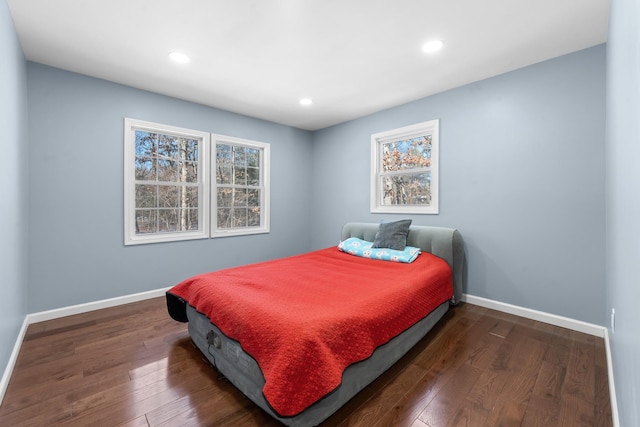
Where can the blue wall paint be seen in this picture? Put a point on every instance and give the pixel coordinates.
(13, 186)
(521, 176)
(623, 203)
(76, 250)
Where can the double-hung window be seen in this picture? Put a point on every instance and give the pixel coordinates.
(166, 175)
(171, 193)
(404, 169)
(241, 186)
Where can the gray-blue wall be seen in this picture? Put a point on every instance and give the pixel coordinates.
(521, 176)
(623, 203)
(13, 186)
(76, 250)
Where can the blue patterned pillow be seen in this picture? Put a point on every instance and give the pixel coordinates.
(364, 249)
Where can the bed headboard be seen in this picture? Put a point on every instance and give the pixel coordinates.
(442, 242)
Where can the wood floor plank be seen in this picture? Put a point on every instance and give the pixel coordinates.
(133, 366)
(578, 392)
(486, 390)
(446, 403)
(371, 412)
(468, 414)
(507, 414)
(448, 351)
(138, 422)
(546, 399)
(602, 403)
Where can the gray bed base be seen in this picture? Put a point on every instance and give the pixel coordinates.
(243, 372)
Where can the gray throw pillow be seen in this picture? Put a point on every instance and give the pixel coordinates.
(392, 235)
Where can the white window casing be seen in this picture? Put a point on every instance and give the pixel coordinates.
(166, 183)
(240, 202)
(404, 170)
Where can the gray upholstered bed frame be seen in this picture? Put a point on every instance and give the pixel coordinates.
(445, 243)
(243, 371)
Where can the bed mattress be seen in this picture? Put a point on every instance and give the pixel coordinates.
(244, 373)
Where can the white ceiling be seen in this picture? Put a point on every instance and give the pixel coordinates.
(259, 57)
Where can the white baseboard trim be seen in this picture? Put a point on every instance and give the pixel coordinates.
(612, 385)
(91, 306)
(4, 382)
(564, 322)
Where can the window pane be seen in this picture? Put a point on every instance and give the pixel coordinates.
(407, 189)
(239, 175)
(239, 217)
(224, 197)
(189, 172)
(223, 163)
(253, 157)
(223, 154)
(146, 196)
(189, 197)
(168, 196)
(253, 176)
(145, 154)
(253, 219)
(192, 220)
(186, 220)
(240, 197)
(189, 149)
(406, 154)
(146, 221)
(145, 169)
(253, 198)
(239, 157)
(145, 144)
(168, 220)
(223, 174)
(168, 146)
(224, 217)
(167, 170)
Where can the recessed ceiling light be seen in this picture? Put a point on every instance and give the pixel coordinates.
(306, 101)
(179, 57)
(432, 46)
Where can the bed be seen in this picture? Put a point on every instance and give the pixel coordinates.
(305, 363)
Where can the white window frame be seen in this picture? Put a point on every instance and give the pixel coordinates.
(377, 140)
(265, 160)
(130, 235)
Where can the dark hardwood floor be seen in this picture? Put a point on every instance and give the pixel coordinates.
(132, 365)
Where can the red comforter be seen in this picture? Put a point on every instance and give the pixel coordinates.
(305, 318)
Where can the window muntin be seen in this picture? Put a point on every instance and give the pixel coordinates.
(404, 169)
(166, 190)
(241, 187)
